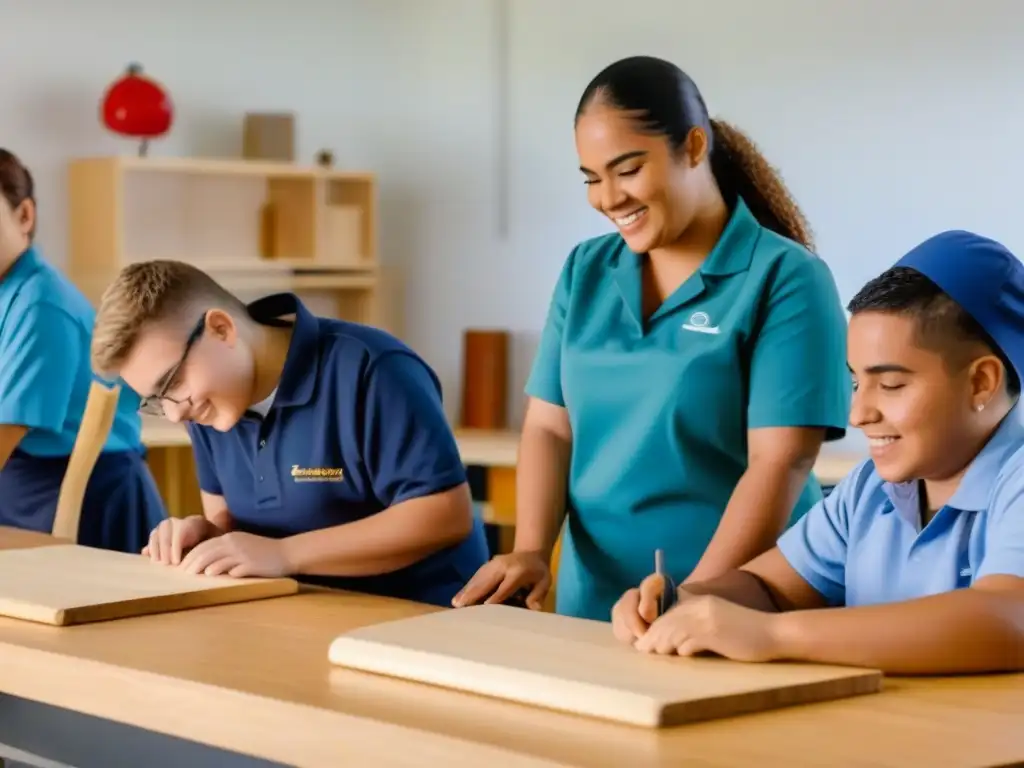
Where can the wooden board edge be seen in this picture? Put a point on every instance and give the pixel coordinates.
(857, 683)
(37, 614)
(183, 601)
(513, 686)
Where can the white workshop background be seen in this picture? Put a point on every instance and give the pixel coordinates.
(890, 119)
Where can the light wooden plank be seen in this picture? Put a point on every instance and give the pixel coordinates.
(577, 666)
(71, 584)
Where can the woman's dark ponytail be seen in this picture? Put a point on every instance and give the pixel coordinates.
(741, 170)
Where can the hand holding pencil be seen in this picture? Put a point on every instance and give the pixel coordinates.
(641, 606)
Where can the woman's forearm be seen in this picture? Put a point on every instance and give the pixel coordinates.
(10, 437)
(542, 473)
(756, 515)
(736, 586)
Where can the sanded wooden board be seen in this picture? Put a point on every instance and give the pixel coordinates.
(577, 666)
(71, 584)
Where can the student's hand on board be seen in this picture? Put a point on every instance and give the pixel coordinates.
(504, 576)
(238, 554)
(173, 537)
(706, 623)
(637, 609)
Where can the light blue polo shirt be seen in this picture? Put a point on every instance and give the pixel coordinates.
(864, 543)
(660, 409)
(45, 372)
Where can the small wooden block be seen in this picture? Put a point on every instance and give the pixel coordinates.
(340, 234)
(577, 666)
(71, 584)
(269, 136)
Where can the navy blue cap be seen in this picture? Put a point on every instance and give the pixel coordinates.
(984, 278)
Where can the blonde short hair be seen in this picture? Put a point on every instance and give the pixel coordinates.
(143, 294)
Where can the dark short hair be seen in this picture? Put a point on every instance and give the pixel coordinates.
(940, 320)
(16, 183)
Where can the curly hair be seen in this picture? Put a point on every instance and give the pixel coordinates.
(740, 169)
(671, 104)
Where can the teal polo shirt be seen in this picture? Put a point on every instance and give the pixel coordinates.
(45, 377)
(660, 409)
(865, 545)
(45, 374)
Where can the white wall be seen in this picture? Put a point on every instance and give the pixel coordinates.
(889, 119)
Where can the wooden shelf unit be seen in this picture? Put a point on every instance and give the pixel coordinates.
(257, 227)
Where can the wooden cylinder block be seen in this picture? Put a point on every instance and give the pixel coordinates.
(485, 379)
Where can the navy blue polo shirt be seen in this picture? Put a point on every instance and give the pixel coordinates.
(355, 426)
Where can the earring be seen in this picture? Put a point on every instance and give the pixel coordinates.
(979, 407)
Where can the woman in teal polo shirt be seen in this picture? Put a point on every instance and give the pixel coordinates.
(692, 363)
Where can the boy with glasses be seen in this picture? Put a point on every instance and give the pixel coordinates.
(321, 446)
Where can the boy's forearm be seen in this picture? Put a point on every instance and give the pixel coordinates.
(965, 631)
(392, 539)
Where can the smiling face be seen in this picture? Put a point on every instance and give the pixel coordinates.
(203, 374)
(918, 406)
(649, 191)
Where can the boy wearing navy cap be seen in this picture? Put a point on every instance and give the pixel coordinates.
(914, 564)
(321, 446)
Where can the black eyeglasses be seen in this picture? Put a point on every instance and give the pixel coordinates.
(153, 404)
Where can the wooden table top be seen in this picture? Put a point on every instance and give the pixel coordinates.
(498, 448)
(254, 678)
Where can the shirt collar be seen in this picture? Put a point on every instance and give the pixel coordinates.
(23, 265)
(302, 363)
(732, 254)
(976, 485)
(735, 247)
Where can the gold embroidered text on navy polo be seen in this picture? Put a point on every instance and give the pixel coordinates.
(317, 474)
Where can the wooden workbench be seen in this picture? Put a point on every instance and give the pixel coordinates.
(253, 679)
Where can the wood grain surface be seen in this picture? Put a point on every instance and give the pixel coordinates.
(255, 678)
(576, 666)
(72, 584)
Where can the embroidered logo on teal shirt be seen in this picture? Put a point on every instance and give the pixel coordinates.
(700, 322)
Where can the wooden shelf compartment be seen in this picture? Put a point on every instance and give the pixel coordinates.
(257, 226)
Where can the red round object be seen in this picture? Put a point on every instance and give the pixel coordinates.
(137, 106)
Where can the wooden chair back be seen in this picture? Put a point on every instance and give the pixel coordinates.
(92, 434)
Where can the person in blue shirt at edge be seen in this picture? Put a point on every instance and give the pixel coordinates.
(45, 323)
(914, 564)
(692, 362)
(321, 446)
